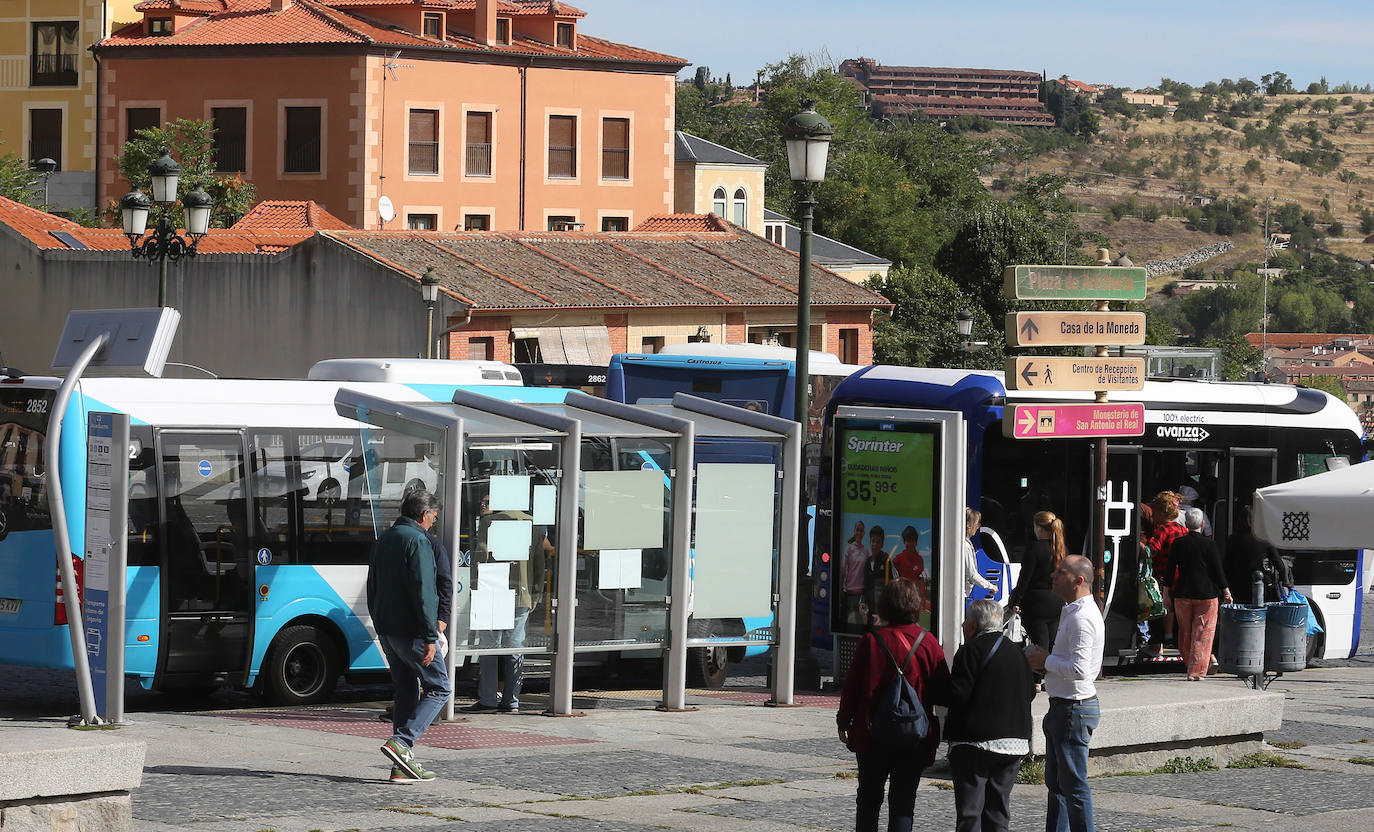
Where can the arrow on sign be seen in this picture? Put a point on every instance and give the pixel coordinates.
(1027, 375)
(1029, 330)
(1027, 421)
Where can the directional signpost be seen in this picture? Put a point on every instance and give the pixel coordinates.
(1038, 373)
(1075, 329)
(1100, 373)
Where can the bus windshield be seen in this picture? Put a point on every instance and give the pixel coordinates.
(23, 426)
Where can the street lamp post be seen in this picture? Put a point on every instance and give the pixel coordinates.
(808, 143)
(164, 243)
(429, 290)
(45, 167)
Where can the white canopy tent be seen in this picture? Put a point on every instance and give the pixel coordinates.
(1333, 510)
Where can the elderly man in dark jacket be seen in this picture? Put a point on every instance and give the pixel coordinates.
(404, 603)
(989, 724)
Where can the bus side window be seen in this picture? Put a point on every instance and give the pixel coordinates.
(276, 481)
(336, 512)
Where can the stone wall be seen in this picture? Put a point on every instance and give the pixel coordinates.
(1177, 264)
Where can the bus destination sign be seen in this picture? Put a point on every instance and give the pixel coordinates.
(1075, 329)
(1034, 372)
(1075, 282)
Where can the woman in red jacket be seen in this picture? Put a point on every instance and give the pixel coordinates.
(898, 607)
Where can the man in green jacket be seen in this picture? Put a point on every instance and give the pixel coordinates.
(404, 605)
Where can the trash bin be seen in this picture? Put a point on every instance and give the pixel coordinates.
(1240, 640)
(1285, 637)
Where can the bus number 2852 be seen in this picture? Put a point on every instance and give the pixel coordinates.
(39, 406)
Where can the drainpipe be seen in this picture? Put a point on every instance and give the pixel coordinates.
(524, 89)
(99, 70)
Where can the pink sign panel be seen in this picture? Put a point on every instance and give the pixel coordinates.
(1073, 421)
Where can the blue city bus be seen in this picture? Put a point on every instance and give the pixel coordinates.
(250, 520)
(1225, 439)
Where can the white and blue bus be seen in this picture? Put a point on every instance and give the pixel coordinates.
(250, 519)
(1224, 439)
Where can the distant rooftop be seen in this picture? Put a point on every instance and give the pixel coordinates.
(689, 148)
(824, 250)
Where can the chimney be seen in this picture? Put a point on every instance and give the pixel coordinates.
(281, 5)
(485, 30)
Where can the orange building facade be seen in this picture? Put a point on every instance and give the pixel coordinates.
(463, 114)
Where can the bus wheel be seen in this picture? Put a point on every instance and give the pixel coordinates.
(302, 666)
(707, 667)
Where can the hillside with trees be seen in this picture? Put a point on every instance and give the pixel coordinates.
(951, 203)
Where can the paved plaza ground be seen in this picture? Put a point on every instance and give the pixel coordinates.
(733, 764)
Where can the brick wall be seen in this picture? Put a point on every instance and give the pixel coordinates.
(495, 327)
(849, 319)
(735, 330)
(617, 327)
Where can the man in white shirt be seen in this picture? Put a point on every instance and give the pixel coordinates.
(1070, 672)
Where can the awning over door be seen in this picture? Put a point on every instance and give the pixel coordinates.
(570, 344)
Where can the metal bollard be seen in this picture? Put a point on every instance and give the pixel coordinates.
(1257, 588)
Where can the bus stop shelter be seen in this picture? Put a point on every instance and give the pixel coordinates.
(581, 501)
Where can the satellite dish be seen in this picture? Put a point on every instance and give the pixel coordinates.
(386, 209)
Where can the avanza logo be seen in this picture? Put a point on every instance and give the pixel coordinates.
(1183, 433)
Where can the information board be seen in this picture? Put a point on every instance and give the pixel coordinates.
(98, 546)
(886, 496)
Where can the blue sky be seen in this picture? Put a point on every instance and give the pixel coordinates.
(1129, 44)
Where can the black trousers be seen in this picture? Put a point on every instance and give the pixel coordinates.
(875, 769)
(982, 788)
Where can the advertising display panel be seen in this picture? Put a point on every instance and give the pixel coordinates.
(887, 494)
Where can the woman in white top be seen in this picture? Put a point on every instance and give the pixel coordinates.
(972, 576)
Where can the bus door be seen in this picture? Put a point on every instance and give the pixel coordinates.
(1124, 496)
(206, 563)
(1249, 468)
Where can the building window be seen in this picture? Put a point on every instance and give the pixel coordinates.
(651, 344)
(230, 144)
(482, 349)
(564, 223)
(140, 118)
(422, 222)
(503, 30)
(302, 140)
(849, 346)
(54, 55)
(615, 223)
(424, 142)
(160, 26)
(741, 208)
(527, 351)
(564, 35)
(45, 135)
(477, 222)
(615, 148)
(563, 147)
(477, 154)
(433, 25)
(718, 202)
(774, 233)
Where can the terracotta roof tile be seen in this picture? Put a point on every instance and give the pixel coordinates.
(281, 214)
(184, 6)
(34, 224)
(724, 266)
(318, 22)
(682, 222)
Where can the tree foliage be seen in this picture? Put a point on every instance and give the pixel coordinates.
(190, 141)
(921, 331)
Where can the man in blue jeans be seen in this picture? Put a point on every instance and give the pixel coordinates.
(404, 605)
(1070, 672)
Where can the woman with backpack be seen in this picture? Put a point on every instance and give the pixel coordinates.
(890, 727)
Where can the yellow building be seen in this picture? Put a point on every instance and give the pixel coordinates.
(48, 87)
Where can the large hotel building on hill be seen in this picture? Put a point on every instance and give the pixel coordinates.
(1007, 96)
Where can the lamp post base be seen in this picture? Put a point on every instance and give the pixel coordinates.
(806, 668)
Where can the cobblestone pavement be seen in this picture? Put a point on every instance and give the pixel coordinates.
(624, 767)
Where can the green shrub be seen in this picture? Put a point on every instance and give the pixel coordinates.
(1032, 772)
(1186, 765)
(1265, 759)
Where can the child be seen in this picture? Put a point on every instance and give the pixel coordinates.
(852, 571)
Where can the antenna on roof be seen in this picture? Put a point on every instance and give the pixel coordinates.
(389, 67)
